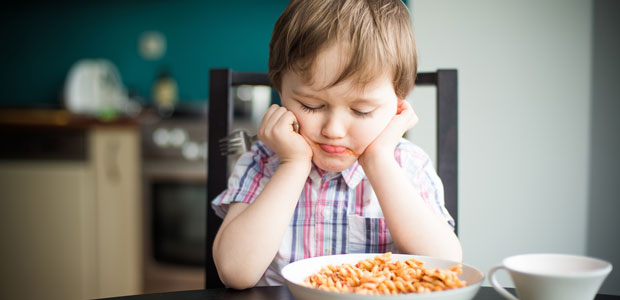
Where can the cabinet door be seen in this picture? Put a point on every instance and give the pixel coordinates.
(115, 155)
(46, 230)
(71, 229)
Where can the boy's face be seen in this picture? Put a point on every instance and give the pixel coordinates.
(341, 121)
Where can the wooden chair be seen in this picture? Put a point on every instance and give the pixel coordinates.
(220, 122)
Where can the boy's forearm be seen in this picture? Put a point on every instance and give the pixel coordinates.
(414, 227)
(246, 246)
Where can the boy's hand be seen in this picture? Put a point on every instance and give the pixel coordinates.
(384, 144)
(277, 131)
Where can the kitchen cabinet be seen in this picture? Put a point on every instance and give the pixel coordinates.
(70, 224)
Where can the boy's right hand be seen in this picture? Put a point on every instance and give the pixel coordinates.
(277, 131)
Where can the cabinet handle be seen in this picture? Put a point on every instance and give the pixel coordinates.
(112, 166)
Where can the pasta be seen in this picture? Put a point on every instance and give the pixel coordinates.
(379, 275)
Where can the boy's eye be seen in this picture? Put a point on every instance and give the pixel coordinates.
(310, 108)
(362, 114)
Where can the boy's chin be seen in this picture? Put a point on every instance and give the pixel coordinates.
(333, 165)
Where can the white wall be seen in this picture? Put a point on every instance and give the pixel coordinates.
(524, 120)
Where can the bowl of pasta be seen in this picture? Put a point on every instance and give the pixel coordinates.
(381, 276)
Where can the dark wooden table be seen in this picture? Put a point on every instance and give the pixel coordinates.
(279, 293)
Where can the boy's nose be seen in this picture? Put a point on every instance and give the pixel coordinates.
(334, 128)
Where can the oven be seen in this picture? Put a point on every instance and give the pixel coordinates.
(175, 199)
(175, 189)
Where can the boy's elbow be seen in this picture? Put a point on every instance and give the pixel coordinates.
(237, 281)
(233, 274)
(452, 252)
(453, 255)
(451, 249)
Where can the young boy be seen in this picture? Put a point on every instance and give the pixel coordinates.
(347, 181)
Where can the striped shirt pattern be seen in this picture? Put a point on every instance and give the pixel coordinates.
(337, 212)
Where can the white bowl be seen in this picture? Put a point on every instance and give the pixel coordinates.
(296, 272)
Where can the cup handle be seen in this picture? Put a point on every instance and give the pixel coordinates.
(502, 291)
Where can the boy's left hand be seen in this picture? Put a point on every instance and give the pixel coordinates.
(384, 144)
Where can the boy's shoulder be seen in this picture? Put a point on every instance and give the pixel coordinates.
(407, 149)
(407, 145)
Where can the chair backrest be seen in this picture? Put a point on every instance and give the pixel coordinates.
(220, 116)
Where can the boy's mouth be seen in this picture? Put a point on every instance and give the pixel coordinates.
(331, 149)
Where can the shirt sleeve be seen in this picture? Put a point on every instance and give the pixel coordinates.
(419, 168)
(248, 178)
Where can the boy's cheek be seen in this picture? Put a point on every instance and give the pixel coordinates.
(366, 134)
(286, 104)
(369, 132)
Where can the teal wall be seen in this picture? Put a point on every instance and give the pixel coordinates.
(40, 42)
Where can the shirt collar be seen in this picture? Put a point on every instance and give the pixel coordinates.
(352, 175)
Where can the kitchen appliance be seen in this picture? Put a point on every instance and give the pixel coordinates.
(175, 189)
(175, 199)
(94, 87)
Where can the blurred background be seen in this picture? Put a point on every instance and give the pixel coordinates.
(103, 128)
(538, 125)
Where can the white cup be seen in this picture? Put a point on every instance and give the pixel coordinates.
(552, 276)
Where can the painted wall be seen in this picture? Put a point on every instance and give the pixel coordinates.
(537, 165)
(41, 41)
(603, 221)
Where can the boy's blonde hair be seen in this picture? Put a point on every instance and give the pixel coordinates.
(377, 35)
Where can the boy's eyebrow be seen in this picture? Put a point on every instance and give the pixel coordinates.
(366, 100)
(362, 100)
(305, 95)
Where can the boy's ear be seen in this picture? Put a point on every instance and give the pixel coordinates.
(399, 105)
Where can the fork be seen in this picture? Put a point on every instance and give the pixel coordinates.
(240, 141)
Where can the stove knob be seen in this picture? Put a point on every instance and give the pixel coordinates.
(191, 151)
(178, 137)
(161, 137)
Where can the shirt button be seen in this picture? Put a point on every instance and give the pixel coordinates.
(326, 213)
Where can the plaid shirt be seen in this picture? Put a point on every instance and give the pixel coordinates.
(336, 212)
